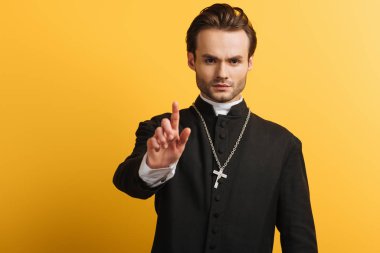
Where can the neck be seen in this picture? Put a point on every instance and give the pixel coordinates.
(222, 108)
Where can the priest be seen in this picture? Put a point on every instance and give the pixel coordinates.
(223, 177)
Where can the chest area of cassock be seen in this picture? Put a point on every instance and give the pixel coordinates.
(244, 201)
(252, 173)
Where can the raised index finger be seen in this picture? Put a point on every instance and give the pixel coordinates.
(174, 119)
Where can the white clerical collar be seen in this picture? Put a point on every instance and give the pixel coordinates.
(222, 108)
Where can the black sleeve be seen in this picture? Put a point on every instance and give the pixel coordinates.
(126, 177)
(294, 218)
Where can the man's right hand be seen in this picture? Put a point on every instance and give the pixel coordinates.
(167, 145)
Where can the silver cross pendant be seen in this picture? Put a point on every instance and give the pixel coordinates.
(220, 175)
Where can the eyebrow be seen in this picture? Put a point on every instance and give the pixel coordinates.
(211, 56)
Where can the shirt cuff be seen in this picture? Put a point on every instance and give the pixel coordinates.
(156, 177)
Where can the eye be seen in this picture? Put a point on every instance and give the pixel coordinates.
(209, 60)
(235, 61)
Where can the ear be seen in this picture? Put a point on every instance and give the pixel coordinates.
(250, 63)
(191, 60)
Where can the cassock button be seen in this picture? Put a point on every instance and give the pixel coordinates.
(220, 150)
(212, 246)
(217, 197)
(216, 215)
(223, 123)
(222, 135)
(214, 230)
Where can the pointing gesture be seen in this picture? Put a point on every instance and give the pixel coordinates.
(167, 144)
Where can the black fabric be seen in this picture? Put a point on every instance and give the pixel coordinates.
(266, 186)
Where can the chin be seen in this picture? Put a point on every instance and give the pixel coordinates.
(222, 98)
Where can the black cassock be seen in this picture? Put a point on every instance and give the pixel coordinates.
(266, 186)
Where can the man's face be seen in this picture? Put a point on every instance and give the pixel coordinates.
(221, 64)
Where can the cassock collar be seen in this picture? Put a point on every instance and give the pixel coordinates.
(238, 110)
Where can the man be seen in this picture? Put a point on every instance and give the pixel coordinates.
(222, 176)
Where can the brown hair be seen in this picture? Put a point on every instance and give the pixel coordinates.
(223, 17)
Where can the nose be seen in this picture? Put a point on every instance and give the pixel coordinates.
(222, 71)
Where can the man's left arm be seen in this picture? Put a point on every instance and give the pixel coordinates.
(294, 216)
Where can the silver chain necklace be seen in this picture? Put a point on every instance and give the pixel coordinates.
(220, 173)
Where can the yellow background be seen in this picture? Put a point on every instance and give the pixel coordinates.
(78, 76)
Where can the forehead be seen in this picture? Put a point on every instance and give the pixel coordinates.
(222, 43)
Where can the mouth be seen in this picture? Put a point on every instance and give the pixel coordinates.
(221, 85)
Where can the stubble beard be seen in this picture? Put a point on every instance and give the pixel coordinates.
(205, 89)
